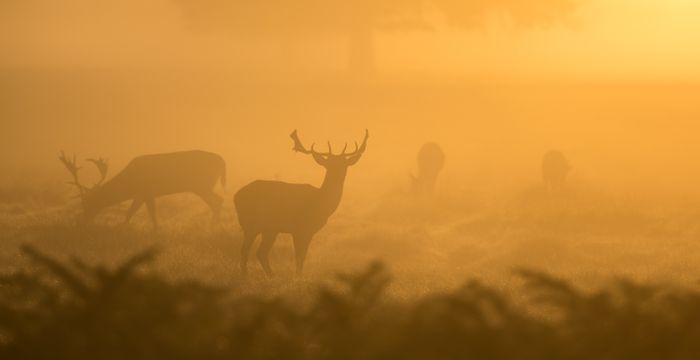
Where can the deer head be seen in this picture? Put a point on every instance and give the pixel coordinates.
(85, 193)
(328, 160)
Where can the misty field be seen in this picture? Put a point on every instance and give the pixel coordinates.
(511, 179)
(492, 266)
(578, 275)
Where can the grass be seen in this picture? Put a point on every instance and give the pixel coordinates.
(581, 236)
(581, 275)
(71, 309)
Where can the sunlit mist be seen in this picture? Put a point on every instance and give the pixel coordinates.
(318, 179)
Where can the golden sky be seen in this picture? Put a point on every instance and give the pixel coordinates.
(605, 38)
(608, 38)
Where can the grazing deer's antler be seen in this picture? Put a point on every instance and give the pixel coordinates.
(102, 166)
(71, 166)
(73, 169)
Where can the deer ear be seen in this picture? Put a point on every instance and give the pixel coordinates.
(320, 159)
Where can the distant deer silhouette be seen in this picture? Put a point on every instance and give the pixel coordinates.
(431, 160)
(272, 207)
(555, 168)
(149, 176)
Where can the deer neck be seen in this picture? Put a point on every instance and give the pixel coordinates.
(332, 190)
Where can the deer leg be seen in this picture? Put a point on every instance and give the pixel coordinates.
(268, 239)
(248, 239)
(214, 201)
(301, 246)
(151, 206)
(135, 206)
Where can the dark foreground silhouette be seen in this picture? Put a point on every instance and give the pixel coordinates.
(148, 177)
(273, 207)
(53, 310)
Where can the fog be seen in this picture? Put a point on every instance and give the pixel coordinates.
(522, 157)
(609, 83)
(586, 38)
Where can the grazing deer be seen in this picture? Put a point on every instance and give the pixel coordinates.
(273, 207)
(431, 160)
(555, 168)
(149, 176)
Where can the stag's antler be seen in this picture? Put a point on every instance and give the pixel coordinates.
(358, 149)
(299, 147)
(102, 166)
(71, 166)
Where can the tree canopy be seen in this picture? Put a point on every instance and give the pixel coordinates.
(360, 19)
(245, 16)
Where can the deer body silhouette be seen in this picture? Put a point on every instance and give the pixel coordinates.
(272, 207)
(431, 160)
(149, 176)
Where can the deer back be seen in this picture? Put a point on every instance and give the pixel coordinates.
(280, 207)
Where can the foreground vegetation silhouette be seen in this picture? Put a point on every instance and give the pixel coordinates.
(73, 310)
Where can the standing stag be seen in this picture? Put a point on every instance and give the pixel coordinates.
(149, 176)
(273, 207)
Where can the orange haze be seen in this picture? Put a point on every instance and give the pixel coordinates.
(613, 84)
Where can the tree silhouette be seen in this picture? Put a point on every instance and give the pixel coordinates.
(359, 20)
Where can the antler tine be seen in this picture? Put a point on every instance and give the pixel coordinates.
(360, 149)
(102, 166)
(71, 166)
(364, 142)
(344, 148)
(299, 147)
(330, 150)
